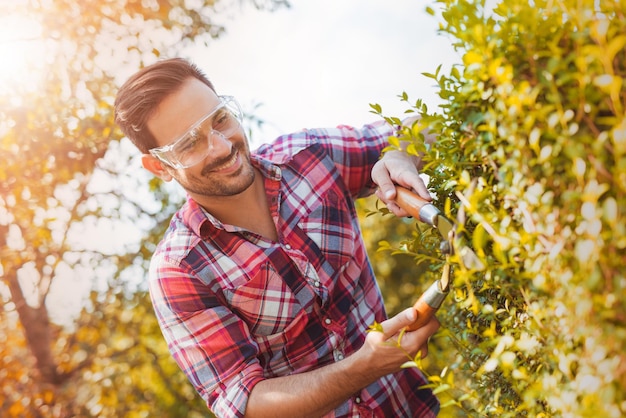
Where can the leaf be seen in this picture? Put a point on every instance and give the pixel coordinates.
(376, 108)
(472, 57)
(375, 327)
(615, 46)
(441, 388)
(409, 364)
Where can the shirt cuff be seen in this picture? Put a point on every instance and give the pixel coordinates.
(231, 400)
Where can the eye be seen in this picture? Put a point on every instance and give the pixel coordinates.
(221, 120)
(191, 141)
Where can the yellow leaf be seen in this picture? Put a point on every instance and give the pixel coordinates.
(472, 57)
(491, 332)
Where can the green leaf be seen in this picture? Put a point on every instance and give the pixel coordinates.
(376, 108)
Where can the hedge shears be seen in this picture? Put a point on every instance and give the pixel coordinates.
(433, 297)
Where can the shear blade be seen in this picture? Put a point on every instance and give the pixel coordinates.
(444, 226)
(468, 257)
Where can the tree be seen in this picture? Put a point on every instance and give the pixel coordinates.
(531, 162)
(62, 182)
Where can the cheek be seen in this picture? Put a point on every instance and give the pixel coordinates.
(243, 146)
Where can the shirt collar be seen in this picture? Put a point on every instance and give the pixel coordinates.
(269, 168)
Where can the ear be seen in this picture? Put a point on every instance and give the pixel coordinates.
(155, 166)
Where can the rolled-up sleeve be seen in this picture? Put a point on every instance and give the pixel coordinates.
(210, 344)
(354, 151)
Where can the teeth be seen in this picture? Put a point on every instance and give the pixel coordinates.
(229, 163)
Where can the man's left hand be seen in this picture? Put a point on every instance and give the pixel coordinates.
(398, 167)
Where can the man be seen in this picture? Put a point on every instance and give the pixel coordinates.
(261, 284)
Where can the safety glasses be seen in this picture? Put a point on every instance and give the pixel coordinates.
(197, 143)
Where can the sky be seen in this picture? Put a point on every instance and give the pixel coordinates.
(321, 63)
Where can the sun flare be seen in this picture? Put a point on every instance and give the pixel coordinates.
(21, 52)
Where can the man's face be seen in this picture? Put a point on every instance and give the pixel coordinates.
(226, 171)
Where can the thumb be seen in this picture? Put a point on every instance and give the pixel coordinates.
(396, 323)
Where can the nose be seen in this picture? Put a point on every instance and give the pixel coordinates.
(219, 145)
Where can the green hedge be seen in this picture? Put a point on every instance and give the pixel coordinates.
(531, 161)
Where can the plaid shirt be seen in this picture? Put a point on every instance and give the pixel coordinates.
(236, 308)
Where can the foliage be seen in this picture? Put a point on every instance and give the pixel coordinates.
(531, 162)
(75, 341)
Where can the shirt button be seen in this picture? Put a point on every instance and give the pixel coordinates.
(357, 400)
(316, 283)
(287, 246)
(327, 321)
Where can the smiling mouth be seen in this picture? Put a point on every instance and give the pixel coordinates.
(224, 166)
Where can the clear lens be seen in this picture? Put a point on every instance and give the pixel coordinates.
(197, 143)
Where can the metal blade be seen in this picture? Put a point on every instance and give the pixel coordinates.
(444, 226)
(468, 257)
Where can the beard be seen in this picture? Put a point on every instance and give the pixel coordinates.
(212, 184)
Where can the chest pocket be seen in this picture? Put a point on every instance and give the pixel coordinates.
(329, 226)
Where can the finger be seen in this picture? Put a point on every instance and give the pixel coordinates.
(423, 350)
(425, 331)
(387, 189)
(423, 334)
(396, 210)
(396, 323)
(429, 328)
(421, 189)
(416, 183)
(391, 205)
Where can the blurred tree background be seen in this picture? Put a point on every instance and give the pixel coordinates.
(77, 333)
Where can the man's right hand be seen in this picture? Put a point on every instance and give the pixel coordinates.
(381, 351)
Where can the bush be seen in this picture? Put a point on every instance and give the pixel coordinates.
(531, 162)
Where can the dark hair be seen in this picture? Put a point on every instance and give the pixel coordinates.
(142, 93)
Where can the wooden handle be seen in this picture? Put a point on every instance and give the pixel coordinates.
(430, 301)
(424, 313)
(410, 202)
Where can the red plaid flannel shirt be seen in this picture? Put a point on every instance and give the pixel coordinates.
(236, 308)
